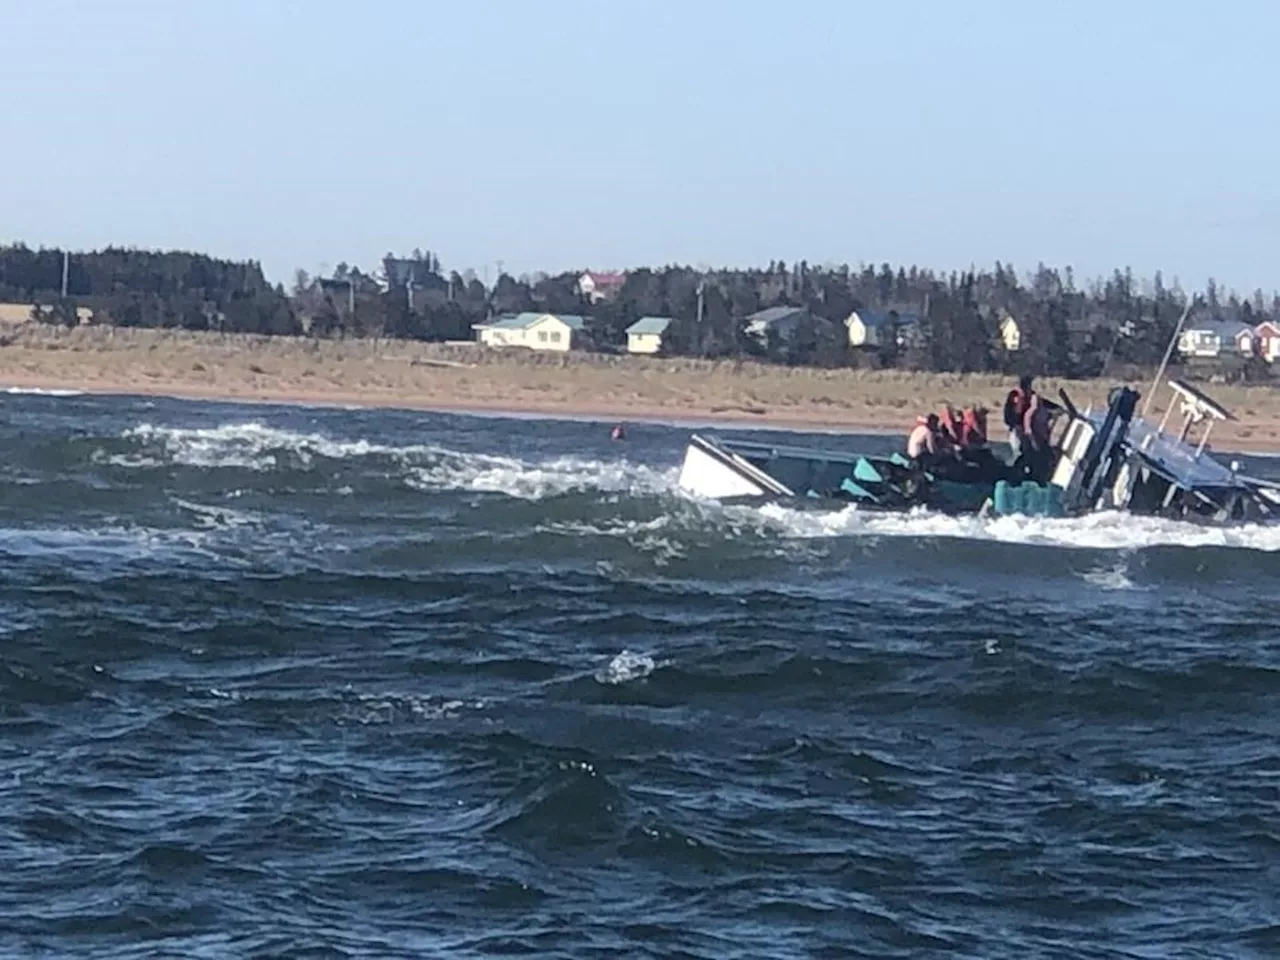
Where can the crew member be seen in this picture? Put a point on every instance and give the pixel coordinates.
(973, 427)
(1037, 424)
(922, 444)
(1016, 404)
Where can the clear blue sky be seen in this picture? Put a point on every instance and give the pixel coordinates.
(558, 134)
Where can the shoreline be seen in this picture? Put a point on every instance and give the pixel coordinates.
(472, 380)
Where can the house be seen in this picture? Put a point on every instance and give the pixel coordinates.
(1010, 334)
(1212, 339)
(873, 328)
(536, 331)
(600, 286)
(779, 322)
(15, 313)
(645, 335)
(1267, 337)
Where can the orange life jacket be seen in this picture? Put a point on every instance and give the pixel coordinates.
(973, 431)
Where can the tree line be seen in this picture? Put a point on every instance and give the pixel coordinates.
(953, 320)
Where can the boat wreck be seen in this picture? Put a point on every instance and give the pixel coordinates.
(1109, 460)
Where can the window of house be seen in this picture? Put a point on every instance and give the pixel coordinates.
(555, 337)
(542, 335)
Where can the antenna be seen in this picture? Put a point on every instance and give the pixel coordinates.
(1167, 354)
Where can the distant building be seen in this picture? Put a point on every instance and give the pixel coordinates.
(880, 328)
(536, 331)
(15, 313)
(1213, 339)
(645, 335)
(1010, 333)
(779, 322)
(597, 286)
(1266, 335)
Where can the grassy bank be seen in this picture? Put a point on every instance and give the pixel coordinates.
(444, 377)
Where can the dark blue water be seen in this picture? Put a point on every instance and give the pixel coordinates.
(287, 683)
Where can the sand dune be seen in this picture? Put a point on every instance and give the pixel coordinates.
(460, 377)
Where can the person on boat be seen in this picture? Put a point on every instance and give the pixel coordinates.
(923, 443)
(1036, 429)
(949, 425)
(1016, 404)
(973, 428)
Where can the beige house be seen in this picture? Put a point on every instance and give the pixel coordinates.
(868, 328)
(534, 331)
(14, 313)
(645, 335)
(1010, 334)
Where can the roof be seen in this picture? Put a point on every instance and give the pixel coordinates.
(1223, 328)
(519, 321)
(881, 318)
(774, 314)
(653, 325)
(606, 278)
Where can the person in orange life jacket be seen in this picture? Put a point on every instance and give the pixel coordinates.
(951, 427)
(973, 427)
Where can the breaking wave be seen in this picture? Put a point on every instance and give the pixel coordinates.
(425, 467)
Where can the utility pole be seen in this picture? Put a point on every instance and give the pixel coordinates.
(66, 269)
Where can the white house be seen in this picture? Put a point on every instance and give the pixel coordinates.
(596, 286)
(645, 335)
(536, 331)
(870, 328)
(1214, 338)
(1010, 334)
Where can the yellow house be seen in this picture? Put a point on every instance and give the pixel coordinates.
(645, 335)
(13, 313)
(535, 331)
(1010, 334)
(869, 328)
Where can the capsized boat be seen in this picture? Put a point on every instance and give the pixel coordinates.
(1108, 460)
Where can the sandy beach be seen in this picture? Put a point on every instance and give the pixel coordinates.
(470, 378)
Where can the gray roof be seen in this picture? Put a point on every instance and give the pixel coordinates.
(774, 314)
(653, 325)
(1223, 328)
(518, 321)
(882, 318)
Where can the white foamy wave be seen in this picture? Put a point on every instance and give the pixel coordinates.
(42, 392)
(253, 446)
(527, 480)
(425, 467)
(1109, 530)
(626, 667)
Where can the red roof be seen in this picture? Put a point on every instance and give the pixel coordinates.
(607, 279)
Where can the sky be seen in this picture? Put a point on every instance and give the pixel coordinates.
(570, 134)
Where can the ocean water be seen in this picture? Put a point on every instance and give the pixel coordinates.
(278, 682)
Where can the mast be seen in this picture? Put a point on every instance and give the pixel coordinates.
(1167, 354)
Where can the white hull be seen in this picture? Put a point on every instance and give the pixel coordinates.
(716, 475)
